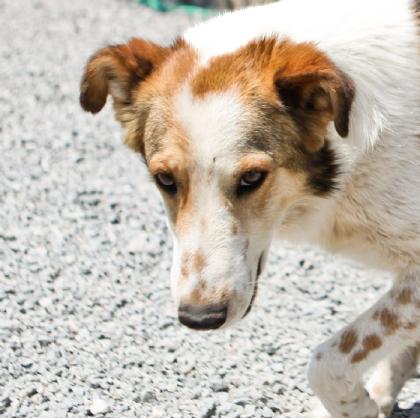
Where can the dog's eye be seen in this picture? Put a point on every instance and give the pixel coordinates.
(251, 180)
(166, 182)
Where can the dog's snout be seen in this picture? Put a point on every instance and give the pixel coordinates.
(202, 317)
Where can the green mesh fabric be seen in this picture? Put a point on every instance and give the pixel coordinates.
(169, 5)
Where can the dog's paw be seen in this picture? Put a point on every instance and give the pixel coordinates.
(318, 410)
(386, 405)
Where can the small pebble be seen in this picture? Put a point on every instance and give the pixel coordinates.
(98, 406)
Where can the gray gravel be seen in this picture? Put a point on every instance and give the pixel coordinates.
(87, 325)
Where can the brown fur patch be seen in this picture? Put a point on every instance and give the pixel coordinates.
(255, 162)
(405, 296)
(359, 356)
(262, 58)
(185, 261)
(308, 83)
(128, 72)
(197, 297)
(348, 340)
(234, 229)
(199, 261)
(370, 342)
(275, 133)
(389, 320)
(175, 159)
(125, 65)
(203, 295)
(152, 100)
(184, 271)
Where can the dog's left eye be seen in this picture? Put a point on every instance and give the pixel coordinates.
(166, 182)
(250, 181)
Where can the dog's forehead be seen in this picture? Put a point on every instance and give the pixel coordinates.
(214, 124)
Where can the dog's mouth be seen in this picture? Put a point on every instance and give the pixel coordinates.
(254, 292)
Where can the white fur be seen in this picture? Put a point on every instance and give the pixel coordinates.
(213, 133)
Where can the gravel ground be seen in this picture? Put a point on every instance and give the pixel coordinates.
(87, 325)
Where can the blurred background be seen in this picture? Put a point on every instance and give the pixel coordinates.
(87, 325)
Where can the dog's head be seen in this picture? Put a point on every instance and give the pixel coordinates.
(236, 145)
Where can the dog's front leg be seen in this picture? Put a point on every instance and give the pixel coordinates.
(337, 367)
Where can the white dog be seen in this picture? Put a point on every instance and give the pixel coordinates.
(298, 119)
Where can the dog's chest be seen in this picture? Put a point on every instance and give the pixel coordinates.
(370, 230)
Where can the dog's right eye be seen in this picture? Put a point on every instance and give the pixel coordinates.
(166, 182)
(250, 181)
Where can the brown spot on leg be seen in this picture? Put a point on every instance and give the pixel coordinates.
(359, 356)
(370, 342)
(234, 229)
(185, 259)
(405, 296)
(318, 356)
(389, 320)
(199, 261)
(348, 341)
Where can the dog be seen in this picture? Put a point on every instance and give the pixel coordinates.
(299, 120)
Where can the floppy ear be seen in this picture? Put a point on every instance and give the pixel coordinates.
(117, 70)
(316, 98)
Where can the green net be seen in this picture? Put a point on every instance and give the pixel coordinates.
(169, 5)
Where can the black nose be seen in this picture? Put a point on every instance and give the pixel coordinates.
(202, 317)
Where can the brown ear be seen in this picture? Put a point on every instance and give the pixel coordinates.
(316, 98)
(117, 70)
